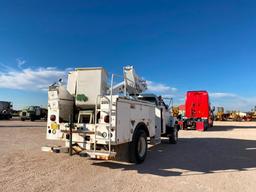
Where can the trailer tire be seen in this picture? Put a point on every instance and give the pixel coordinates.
(173, 138)
(138, 147)
(206, 125)
(185, 126)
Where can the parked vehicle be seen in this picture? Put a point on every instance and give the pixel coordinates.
(220, 114)
(33, 113)
(94, 119)
(198, 112)
(5, 110)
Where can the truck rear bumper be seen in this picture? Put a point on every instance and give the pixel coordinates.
(194, 124)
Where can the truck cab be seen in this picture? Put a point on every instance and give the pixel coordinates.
(33, 113)
(198, 111)
(5, 110)
(163, 117)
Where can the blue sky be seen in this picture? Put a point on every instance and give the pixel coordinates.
(177, 45)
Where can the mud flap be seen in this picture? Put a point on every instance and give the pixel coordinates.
(200, 126)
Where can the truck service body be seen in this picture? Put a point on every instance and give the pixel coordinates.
(94, 118)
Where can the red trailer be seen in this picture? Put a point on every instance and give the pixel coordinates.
(198, 112)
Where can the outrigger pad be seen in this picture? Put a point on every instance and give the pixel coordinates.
(55, 149)
(83, 154)
(46, 149)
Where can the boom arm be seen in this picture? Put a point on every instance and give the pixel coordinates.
(132, 82)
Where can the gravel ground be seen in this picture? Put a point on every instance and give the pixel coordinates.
(221, 159)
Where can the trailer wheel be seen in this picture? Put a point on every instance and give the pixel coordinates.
(185, 125)
(206, 125)
(138, 147)
(173, 138)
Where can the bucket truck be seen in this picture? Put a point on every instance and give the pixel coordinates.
(93, 118)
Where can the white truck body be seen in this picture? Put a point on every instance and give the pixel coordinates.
(60, 105)
(126, 115)
(104, 120)
(89, 82)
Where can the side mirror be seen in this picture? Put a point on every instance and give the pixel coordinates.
(213, 108)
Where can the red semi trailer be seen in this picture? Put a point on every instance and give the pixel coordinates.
(198, 112)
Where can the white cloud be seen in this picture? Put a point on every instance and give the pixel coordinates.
(160, 88)
(164, 90)
(222, 95)
(20, 62)
(41, 78)
(30, 79)
(231, 101)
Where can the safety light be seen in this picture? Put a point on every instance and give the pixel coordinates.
(52, 117)
(106, 119)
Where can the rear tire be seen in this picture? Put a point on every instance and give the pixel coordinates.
(138, 147)
(173, 138)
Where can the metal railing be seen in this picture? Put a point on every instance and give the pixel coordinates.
(110, 101)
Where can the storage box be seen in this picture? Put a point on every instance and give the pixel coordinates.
(86, 84)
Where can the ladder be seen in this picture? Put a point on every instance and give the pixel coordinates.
(97, 153)
(94, 153)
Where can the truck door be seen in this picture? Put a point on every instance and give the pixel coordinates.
(158, 122)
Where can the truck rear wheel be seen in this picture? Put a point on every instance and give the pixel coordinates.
(138, 147)
(173, 138)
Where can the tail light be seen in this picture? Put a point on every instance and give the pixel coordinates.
(52, 117)
(106, 119)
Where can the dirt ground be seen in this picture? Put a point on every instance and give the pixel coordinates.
(221, 159)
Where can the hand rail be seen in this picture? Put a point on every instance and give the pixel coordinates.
(110, 113)
(110, 101)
